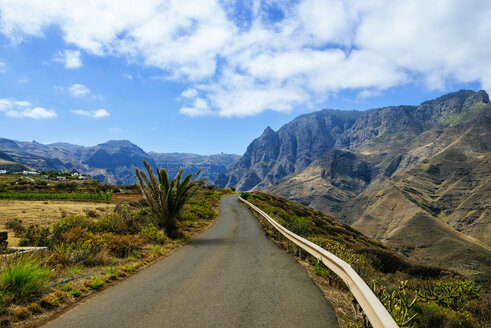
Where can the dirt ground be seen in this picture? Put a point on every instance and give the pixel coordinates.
(45, 212)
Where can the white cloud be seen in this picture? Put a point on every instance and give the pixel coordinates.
(239, 66)
(78, 90)
(3, 67)
(189, 93)
(22, 109)
(71, 59)
(200, 107)
(98, 113)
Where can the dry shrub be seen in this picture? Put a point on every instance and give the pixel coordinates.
(58, 258)
(49, 302)
(123, 246)
(20, 312)
(35, 308)
(101, 258)
(75, 235)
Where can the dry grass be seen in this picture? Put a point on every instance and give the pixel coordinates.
(44, 212)
(126, 198)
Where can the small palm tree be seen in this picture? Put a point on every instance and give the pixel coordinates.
(166, 198)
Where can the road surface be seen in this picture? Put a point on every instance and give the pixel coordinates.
(230, 276)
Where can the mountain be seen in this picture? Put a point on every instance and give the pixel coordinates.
(7, 163)
(417, 178)
(112, 162)
(292, 148)
(212, 166)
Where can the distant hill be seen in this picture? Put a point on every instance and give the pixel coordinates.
(112, 162)
(212, 166)
(416, 178)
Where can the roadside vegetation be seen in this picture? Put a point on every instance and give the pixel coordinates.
(415, 295)
(87, 252)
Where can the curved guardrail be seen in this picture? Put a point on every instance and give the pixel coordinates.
(371, 305)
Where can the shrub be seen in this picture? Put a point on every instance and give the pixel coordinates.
(35, 236)
(124, 221)
(101, 258)
(431, 315)
(57, 258)
(83, 250)
(11, 224)
(298, 225)
(20, 312)
(244, 195)
(65, 224)
(152, 234)
(23, 279)
(122, 246)
(16, 226)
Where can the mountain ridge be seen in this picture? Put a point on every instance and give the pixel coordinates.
(112, 162)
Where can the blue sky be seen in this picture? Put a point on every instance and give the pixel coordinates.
(208, 76)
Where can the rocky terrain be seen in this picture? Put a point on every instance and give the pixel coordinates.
(112, 162)
(416, 178)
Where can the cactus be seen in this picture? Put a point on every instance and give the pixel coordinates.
(453, 294)
(398, 304)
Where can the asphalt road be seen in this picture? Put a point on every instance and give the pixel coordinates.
(231, 276)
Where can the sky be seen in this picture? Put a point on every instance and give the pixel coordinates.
(208, 76)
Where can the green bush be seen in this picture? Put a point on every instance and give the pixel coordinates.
(123, 222)
(244, 195)
(298, 225)
(24, 279)
(432, 315)
(152, 234)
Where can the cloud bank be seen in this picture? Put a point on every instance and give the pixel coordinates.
(243, 59)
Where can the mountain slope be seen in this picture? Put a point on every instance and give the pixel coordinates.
(415, 178)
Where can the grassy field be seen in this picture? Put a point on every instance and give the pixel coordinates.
(45, 213)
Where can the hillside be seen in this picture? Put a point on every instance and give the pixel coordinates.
(386, 271)
(112, 162)
(414, 177)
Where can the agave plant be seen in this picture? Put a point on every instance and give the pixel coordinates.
(167, 197)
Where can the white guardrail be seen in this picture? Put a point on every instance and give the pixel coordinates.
(371, 305)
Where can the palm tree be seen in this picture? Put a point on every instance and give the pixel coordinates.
(166, 198)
